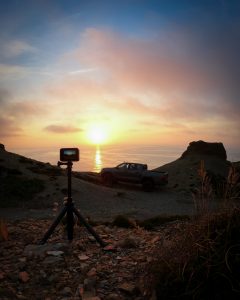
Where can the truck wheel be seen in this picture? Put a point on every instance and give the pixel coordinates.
(148, 185)
(108, 179)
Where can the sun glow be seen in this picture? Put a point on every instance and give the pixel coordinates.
(97, 135)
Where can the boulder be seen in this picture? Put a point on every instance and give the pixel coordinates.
(216, 150)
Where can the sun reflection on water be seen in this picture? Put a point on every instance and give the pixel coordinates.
(98, 160)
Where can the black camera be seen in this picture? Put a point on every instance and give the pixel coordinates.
(69, 154)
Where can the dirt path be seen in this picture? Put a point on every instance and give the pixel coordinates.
(101, 204)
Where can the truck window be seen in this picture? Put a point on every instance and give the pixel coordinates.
(132, 166)
(122, 166)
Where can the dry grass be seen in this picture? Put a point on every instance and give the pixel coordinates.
(202, 261)
(204, 193)
(226, 190)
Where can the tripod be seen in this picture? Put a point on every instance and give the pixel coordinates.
(70, 210)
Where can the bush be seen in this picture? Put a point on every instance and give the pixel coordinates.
(151, 223)
(46, 170)
(124, 222)
(19, 191)
(202, 262)
(25, 160)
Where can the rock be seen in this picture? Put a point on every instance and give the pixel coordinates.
(83, 257)
(41, 250)
(52, 260)
(155, 239)
(79, 291)
(92, 272)
(55, 253)
(128, 288)
(128, 242)
(110, 248)
(107, 230)
(84, 268)
(89, 284)
(24, 276)
(89, 296)
(2, 147)
(113, 296)
(67, 291)
(204, 148)
(103, 284)
(53, 278)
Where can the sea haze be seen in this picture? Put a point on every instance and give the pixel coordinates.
(94, 158)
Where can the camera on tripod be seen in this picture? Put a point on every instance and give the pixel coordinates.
(69, 154)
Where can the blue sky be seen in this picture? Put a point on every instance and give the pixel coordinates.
(167, 70)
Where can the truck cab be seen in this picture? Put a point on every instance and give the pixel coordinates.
(133, 173)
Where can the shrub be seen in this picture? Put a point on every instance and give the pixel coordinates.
(160, 220)
(19, 191)
(25, 160)
(46, 170)
(124, 222)
(202, 262)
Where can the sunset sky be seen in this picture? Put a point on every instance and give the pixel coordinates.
(120, 72)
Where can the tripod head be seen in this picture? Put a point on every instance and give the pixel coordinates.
(67, 156)
(68, 164)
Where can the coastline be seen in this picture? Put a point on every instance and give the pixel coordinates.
(93, 158)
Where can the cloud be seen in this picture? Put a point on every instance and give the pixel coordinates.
(62, 129)
(184, 76)
(26, 109)
(12, 71)
(176, 72)
(82, 71)
(4, 94)
(15, 48)
(9, 128)
(15, 115)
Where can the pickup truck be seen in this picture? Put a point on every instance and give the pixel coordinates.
(134, 173)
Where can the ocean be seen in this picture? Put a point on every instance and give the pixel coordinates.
(94, 158)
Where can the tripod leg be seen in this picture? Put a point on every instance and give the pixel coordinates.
(89, 228)
(53, 226)
(70, 222)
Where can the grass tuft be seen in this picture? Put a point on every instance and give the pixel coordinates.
(19, 191)
(124, 222)
(152, 223)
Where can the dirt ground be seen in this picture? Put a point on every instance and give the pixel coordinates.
(101, 203)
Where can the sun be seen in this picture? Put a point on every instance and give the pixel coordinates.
(97, 135)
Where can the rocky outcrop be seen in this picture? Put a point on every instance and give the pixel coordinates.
(184, 172)
(2, 147)
(216, 150)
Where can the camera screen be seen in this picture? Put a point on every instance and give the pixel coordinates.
(69, 154)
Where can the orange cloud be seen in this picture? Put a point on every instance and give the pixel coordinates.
(62, 129)
(145, 76)
(9, 128)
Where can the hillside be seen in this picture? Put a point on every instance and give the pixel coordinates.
(183, 172)
(27, 183)
(186, 256)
